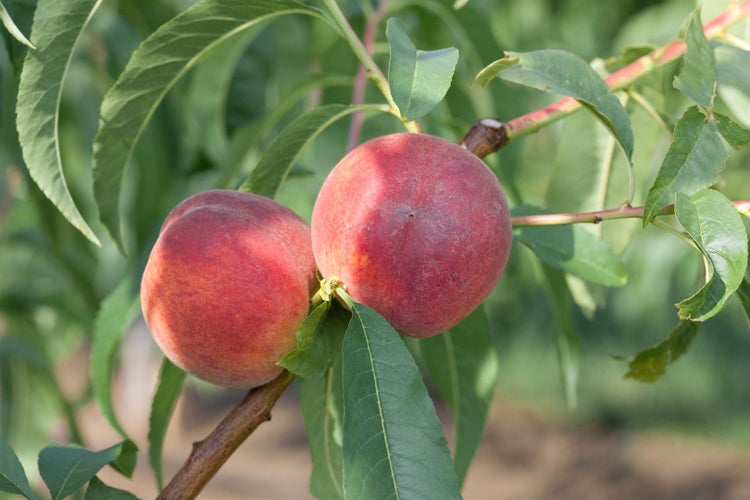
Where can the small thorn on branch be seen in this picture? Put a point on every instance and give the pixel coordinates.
(485, 136)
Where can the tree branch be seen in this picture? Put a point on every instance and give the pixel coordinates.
(479, 139)
(210, 454)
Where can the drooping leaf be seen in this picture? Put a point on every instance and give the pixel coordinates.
(649, 365)
(12, 476)
(97, 490)
(117, 312)
(66, 468)
(464, 367)
(171, 379)
(55, 32)
(12, 28)
(394, 446)
(278, 159)
(321, 404)
(714, 224)
(735, 134)
(419, 79)
(560, 72)
(153, 69)
(692, 163)
(697, 78)
(572, 249)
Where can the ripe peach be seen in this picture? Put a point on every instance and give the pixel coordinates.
(227, 284)
(415, 227)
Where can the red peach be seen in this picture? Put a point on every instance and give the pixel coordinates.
(416, 227)
(227, 284)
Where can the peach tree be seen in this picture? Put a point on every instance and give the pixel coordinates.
(112, 114)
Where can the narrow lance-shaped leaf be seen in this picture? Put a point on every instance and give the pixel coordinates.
(697, 78)
(12, 28)
(650, 364)
(171, 379)
(737, 136)
(463, 364)
(278, 159)
(12, 476)
(394, 446)
(153, 69)
(714, 224)
(560, 72)
(419, 79)
(691, 164)
(55, 32)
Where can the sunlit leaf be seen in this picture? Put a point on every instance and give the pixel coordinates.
(12, 28)
(560, 72)
(56, 30)
(697, 78)
(12, 476)
(153, 69)
(463, 364)
(394, 446)
(649, 365)
(419, 79)
(716, 227)
(171, 379)
(692, 163)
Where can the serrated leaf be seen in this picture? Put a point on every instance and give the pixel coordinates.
(697, 78)
(66, 468)
(278, 159)
(97, 490)
(650, 364)
(55, 32)
(12, 28)
(735, 134)
(171, 380)
(419, 79)
(12, 476)
(560, 72)
(463, 364)
(117, 312)
(691, 164)
(714, 224)
(154, 68)
(572, 249)
(394, 446)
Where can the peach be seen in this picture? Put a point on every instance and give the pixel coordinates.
(415, 227)
(226, 285)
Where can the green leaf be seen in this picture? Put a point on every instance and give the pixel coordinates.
(56, 30)
(572, 249)
(154, 68)
(714, 224)
(116, 314)
(97, 490)
(278, 159)
(419, 79)
(560, 72)
(735, 134)
(12, 28)
(394, 446)
(12, 476)
(650, 364)
(698, 77)
(743, 294)
(171, 379)
(66, 468)
(463, 364)
(733, 67)
(321, 404)
(691, 164)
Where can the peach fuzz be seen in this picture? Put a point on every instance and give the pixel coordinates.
(226, 285)
(416, 227)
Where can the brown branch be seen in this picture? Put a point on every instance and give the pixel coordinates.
(477, 140)
(209, 455)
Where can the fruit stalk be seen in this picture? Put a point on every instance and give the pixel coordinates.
(208, 455)
(489, 135)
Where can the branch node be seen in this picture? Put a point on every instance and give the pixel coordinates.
(485, 136)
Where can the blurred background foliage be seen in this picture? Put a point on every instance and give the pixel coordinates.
(214, 124)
